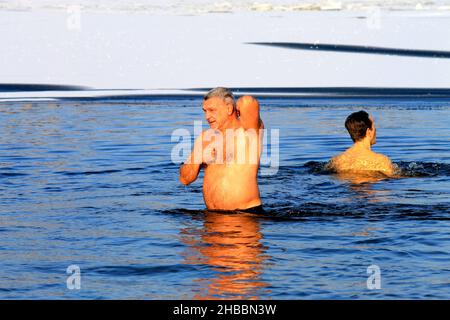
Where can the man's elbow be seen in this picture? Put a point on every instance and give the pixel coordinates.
(248, 99)
(184, 181)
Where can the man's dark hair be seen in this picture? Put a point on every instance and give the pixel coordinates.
(357, 124)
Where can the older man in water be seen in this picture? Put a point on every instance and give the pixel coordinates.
(360, 158)
(229, 151)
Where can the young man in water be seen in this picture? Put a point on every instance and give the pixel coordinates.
(229, 151)
(359, 158)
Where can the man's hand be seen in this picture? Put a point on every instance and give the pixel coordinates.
(204, 152)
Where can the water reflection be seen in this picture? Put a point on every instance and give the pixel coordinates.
(230, 245)
(362, 185)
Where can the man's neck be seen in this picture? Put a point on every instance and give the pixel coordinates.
(362, 145)
(231, 123)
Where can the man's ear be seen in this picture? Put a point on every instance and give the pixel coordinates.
(230, 109)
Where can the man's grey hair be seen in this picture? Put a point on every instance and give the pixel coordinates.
(221, 92)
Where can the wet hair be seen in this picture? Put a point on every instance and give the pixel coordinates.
(221, 92)
(357, 124)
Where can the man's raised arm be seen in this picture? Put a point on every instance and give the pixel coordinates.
(248, 111)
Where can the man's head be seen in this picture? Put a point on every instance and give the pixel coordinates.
(361, 126)
(219, 107)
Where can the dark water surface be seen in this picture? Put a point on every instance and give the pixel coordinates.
(92, 184)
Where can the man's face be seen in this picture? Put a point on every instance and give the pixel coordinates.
(373, 140)
(216, 114)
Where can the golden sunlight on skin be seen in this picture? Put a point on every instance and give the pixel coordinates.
(230, 244)
(229, 152)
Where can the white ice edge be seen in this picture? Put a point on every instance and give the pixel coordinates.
(229, 6)
(128, 94)
(123, 50)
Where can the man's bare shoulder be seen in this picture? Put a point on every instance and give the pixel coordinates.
(340, 157)
(334, 162)
(382, 158)
(384, 164)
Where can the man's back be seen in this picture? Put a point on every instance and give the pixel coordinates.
(361, 160)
